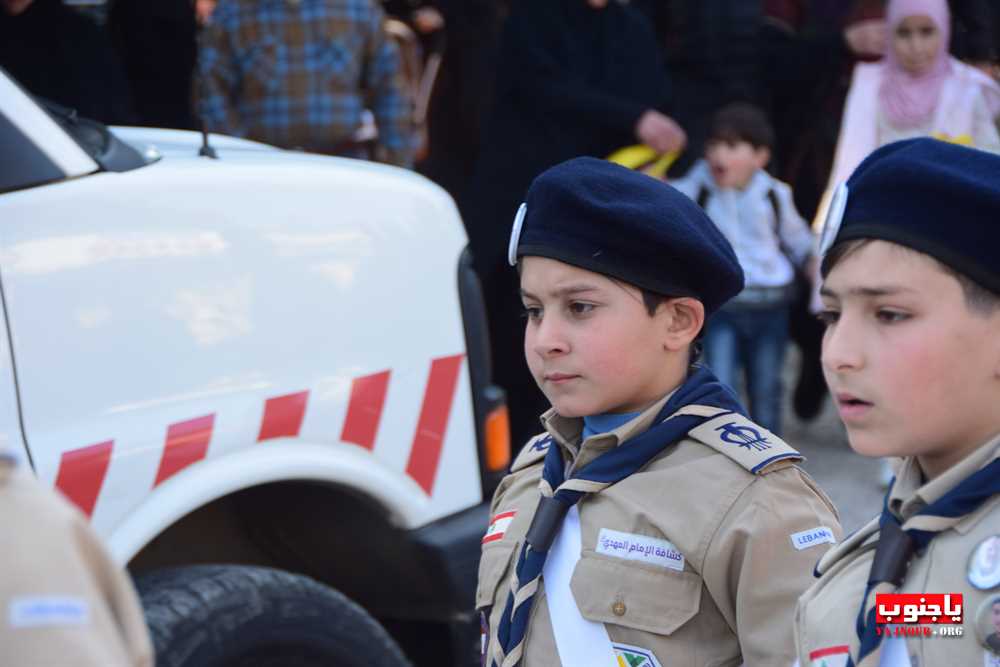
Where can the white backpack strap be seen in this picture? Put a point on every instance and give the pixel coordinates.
(580, 642)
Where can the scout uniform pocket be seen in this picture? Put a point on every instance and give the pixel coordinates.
(643, 597)
(493, 565)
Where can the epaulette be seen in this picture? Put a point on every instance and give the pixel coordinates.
(748, 444)
(865, 536)
(532, 452)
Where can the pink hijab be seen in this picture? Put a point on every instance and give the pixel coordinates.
(906, 99)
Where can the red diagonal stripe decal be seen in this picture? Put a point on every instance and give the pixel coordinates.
(429, 438)
(283, 416)
(81, 474)
(187, 443)
(365, 409)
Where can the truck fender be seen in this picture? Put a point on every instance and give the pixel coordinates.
(281, 459)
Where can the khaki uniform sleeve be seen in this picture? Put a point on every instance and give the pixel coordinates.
(756, 572)
(798, 628)
(64, 600)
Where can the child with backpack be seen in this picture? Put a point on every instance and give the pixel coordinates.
(773, 243)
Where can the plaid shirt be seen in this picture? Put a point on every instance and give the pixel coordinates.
(299, 74)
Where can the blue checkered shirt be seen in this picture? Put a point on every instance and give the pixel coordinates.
(300, 73)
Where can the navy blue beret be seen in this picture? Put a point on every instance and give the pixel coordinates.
(621, 223)
(935, 197)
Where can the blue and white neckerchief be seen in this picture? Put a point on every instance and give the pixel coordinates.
(559, 494)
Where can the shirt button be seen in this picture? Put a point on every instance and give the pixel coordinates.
(618, 608)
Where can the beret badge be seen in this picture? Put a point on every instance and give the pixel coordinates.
(515, 234)
(834, 217)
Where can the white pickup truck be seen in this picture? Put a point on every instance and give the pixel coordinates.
(263, 375)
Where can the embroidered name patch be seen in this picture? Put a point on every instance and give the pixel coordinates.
(36, 612)
(642, 548)
(498, 526)
(813, 537)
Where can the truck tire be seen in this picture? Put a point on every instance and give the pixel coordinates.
(240, 616)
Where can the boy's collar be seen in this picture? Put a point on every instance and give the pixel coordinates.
(567, 431)
(910, 493)
(608, 421)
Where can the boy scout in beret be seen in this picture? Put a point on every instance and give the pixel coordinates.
(911, 298)
(651, 523)
(63, 601)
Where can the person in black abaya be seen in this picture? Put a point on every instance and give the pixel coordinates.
(66, 57)
(463, 91)
(575, 77)
(158, 46)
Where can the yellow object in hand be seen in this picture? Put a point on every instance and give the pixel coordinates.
(643, 158)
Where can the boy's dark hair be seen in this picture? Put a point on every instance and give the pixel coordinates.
(742, 121)
(652, 300)
(978, 299)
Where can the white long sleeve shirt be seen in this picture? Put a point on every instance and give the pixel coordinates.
(746, 218)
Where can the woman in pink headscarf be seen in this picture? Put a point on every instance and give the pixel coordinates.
(916, 90)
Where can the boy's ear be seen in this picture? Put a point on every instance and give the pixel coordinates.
(762, 156)
(686, 317)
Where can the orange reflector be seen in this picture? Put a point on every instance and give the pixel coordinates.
(497, 432)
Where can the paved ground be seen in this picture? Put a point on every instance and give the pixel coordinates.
(849, 479)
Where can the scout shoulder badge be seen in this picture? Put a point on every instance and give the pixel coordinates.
(532, 453)
(748, 444)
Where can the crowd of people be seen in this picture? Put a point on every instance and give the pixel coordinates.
(766, 109)
(483, 95)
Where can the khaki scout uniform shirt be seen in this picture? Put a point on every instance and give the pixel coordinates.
(63, 603)
(734, 595)
(826, 615)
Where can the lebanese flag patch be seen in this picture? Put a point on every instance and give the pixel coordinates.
(498, 526)
(831, 656)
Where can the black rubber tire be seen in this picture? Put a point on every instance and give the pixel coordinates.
(239, 616)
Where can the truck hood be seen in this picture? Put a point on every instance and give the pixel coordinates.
(180, 147)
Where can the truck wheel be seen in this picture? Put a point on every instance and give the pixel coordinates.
(238, 616)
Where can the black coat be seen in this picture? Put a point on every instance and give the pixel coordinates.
(712, 52)
(571, 81)
(156, 42)
(463, 91)
(57, 53)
